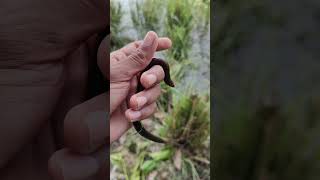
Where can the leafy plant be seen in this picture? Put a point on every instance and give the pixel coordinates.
(188, 122)
(146, 16)
(177, 71)
(187, 126)
(202, 14)
(116, 13)
(179, 24)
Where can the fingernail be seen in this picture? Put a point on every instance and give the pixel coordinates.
(151, 79)
(149, 39)
(141, 101)
(134, 115)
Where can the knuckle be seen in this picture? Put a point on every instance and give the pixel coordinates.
(114, 54)
(138, 57)
(156, 89)
(157, 71)
(136, 44)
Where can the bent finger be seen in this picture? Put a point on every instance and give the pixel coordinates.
(153, 76)
(143, 98)
(144, 113)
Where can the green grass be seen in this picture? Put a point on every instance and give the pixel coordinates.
(183, 115)
(146, 16)
(117, 40)
(179, 25)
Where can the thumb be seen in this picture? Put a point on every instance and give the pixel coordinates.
(137, 58)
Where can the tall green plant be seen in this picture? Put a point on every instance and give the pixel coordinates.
(179, 25)
(188, 121)
(146, 15)
(187, 127)
(202, 14)
(177, 72)
(116, 12)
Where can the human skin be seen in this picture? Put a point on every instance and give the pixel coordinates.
(49, 127)
(125, 64)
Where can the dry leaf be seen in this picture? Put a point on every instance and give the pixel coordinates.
(177, 159)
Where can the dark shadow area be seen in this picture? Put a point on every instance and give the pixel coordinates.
(265, 90)
(53, 89)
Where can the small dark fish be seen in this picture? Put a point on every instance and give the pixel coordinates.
(167, 79)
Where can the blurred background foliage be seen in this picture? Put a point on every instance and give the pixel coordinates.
(184, 111)
(266, 89)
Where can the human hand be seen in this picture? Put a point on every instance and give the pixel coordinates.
(125, 65)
